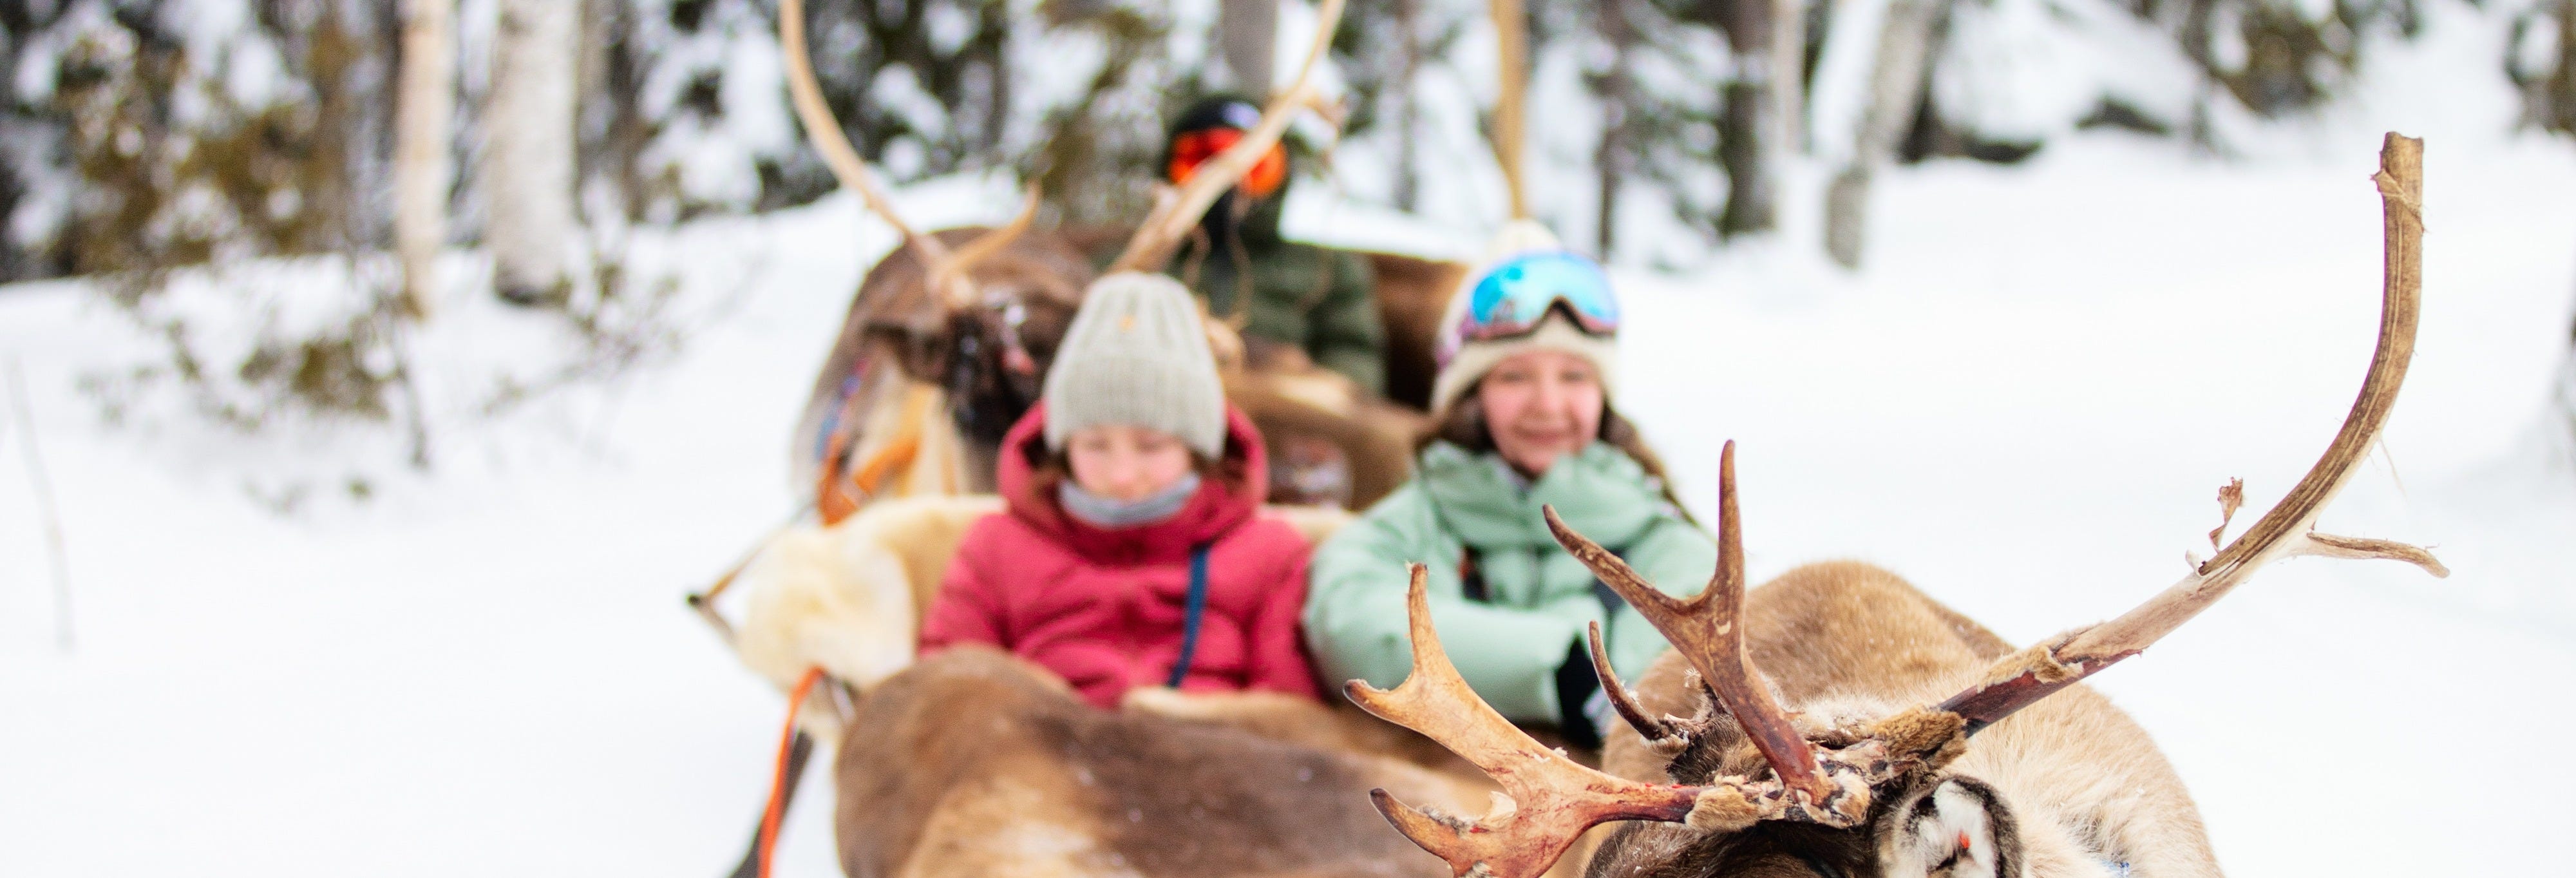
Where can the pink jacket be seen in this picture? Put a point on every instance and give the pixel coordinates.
(1104, 608)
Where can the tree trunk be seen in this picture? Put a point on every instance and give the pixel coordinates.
(1408, 113)
(527, 167)
(1511, 41)
(1750, 139)
(423, 111)
(1612, 159)
(1896, 87)
(1789, 75)
(1248, 37)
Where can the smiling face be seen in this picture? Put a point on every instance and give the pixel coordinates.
(1124, 462)
(1541, 405)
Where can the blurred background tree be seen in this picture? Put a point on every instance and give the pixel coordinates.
(142, 135)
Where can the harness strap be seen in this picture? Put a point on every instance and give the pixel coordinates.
(1190, 619)
(784, 783)
(834, 500)
(900, 450)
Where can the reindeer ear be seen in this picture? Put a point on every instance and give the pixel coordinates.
(1954, 826)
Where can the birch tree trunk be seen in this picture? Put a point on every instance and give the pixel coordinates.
(1896, 83)
(527, 166)
(1511, 41)
(1248, 35)
(1789, 74)
(423, 112)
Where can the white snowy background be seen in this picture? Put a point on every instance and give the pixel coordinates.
(2025, 403)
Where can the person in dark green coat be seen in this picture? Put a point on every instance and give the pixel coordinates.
(1316, 302)
(1523, 401)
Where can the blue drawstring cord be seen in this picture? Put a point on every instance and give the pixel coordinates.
(1190, 622)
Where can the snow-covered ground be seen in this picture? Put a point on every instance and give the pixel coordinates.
(2025, 404)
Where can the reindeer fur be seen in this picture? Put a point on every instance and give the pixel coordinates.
(2071, 783)
(898, 328)
(978, 764)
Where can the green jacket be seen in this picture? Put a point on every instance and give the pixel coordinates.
(1317, 300)
(1540, 598)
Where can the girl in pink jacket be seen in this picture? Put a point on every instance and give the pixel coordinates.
(1132, 551)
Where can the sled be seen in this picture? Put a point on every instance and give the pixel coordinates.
(848, 597)
(875, 427)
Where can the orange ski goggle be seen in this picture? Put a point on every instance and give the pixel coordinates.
(1191, 150)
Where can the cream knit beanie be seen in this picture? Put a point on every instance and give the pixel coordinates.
(1137, 354)
(1461, 369)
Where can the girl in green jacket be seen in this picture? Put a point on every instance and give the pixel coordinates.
(1523, 403)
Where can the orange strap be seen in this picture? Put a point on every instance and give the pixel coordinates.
(778, 784)
(834, 501)
(899, 451)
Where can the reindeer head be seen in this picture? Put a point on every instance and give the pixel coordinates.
(982, 312)
(1760, 791)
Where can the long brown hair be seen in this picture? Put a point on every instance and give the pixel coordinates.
(1464, 426)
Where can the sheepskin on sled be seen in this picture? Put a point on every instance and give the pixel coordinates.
(849, 597)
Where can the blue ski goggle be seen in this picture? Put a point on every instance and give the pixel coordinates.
(1513, 298)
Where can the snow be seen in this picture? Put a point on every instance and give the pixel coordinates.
(2025, 404)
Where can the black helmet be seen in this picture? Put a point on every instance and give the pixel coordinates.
(1216, 111)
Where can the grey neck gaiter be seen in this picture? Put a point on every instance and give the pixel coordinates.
(1103, 512)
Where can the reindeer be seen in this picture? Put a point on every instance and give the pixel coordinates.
(1890, 735)
(976, 764)
(973, 762)
(944, 344)
(966, 321)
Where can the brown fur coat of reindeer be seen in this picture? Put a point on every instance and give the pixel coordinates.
(1882, 734)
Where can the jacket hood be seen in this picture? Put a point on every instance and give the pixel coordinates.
(1600, 492)
(1224, 501)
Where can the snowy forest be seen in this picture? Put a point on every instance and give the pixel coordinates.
(378, 378)
(146, 138)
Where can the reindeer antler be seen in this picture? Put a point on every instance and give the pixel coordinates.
(950, 273)
(945, 270)
(1708, 631)
(2288, 530)
(1176, 211)
(1551, 799)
